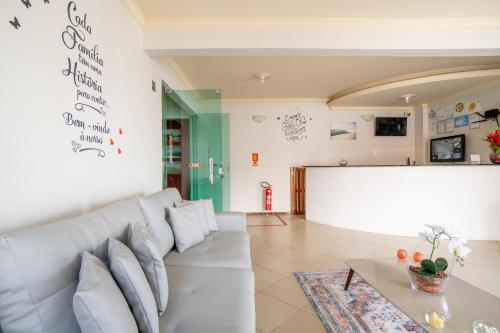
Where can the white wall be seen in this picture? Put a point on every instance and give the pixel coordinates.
(489, 97)
(277, 154)
(41, 178)
(400, 200)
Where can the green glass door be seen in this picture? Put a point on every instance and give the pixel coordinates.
(208, 146)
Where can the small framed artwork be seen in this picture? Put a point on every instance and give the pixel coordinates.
(462, 121)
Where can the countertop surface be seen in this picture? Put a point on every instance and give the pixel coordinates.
(395, 165)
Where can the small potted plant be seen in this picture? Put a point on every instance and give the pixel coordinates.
(430, 276)
(494, 139)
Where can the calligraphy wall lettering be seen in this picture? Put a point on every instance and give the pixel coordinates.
(293, 126)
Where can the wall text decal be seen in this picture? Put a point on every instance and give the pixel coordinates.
(84, 67)
(293, 125)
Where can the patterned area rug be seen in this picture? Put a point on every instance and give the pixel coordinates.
(361, 309)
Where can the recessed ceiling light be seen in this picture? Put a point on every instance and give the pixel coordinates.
(407, 97)
(262, 77)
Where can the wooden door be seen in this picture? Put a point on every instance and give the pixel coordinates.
(298, 191)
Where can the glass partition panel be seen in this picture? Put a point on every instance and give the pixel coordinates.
(208, 145)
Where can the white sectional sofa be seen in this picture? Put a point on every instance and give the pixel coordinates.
(211, 285)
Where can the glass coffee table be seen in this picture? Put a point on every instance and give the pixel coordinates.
(462, 303)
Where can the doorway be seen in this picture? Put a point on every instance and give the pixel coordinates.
(298, 191)
(176, 143)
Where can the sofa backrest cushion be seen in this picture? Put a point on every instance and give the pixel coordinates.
(168, 197)
(39, 266)
(154, 214)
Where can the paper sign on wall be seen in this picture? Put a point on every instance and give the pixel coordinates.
(473, 121)
(449, 125)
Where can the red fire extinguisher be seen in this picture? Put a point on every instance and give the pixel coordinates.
(268, 192)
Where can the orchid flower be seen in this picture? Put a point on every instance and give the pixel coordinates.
(456, 245)
(458, 250)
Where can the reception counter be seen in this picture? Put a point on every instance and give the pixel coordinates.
(401, 199)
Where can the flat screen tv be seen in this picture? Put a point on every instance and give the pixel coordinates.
(390, 126)
(448, 149)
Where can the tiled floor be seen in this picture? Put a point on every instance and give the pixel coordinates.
(278, 251)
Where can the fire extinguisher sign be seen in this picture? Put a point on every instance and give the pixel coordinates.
(255, 159)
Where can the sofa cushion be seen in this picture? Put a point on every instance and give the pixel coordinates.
(186, 227)
(200, 211)
(145, 249)
(40, 267)
(209, 300)
(229, 249)
(154, 214)
(130, 277)
(210, 215)
(168, 197)
(98, 303)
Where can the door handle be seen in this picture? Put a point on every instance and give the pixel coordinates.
(211, 170)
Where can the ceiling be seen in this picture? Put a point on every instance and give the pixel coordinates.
(393, 9)
(308, 77)
(425, 93)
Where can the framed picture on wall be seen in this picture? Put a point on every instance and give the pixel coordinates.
(462, 121)
(343, 131)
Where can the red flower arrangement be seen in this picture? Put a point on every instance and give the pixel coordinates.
(494, 140)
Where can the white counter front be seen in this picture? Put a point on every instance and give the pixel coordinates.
(399, 200)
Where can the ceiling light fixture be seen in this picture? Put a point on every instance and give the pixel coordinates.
(262, 77)
(407, 98)
(258, 118)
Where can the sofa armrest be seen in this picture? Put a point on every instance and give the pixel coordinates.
(231, 221)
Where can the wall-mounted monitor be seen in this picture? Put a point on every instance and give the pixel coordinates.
(390, 126)
(448, 149)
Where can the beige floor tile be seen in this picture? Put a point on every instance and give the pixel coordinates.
(301, 322)
(328, 263)
(308, 309)
(370, 239)
(402, 242)
(288, 291)
(352, 250)
(265, 278)
(384, 251)
(283, 266)
(304, 253)
(271, 313)
(492, 245)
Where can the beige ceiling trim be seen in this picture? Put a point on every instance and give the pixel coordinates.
(272, 100)
(373, 108)
(465, 92)
(178, 70)
(425, 22)
(135, 11)
(417, 78)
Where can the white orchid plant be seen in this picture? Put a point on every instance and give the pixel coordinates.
(456, 246)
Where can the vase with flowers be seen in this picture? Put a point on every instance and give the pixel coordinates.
(432, 276)
(494, 140)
